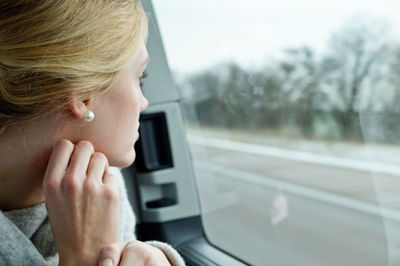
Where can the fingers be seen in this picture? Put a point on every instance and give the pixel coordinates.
(134, 255)
(80, 159)
(98, 167)
(76, 168)
(58, 162)
(113, 253)
(74, 162)
(109, 179)
(138, 253)
(132, 259)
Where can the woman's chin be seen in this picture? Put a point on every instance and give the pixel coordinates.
(124, 161)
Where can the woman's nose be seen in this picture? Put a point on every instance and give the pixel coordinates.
(143, 102)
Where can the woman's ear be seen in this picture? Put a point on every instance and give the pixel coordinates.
(78, 107)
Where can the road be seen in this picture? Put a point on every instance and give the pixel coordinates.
(269, 209)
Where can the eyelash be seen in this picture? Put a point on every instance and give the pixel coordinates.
(144, 75)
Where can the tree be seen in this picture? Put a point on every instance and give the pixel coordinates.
(301, 91)
(356, 53)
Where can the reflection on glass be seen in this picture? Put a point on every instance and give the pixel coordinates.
(296, 149)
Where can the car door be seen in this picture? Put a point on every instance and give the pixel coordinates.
(161, 183)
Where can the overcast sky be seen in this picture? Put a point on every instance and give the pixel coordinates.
(197, 34)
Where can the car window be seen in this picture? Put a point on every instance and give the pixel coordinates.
(292, 116)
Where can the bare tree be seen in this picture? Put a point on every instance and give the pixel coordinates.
(302, 75)
(356, 53)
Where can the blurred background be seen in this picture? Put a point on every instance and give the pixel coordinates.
(292, 115)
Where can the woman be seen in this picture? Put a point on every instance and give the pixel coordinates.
(70, 101)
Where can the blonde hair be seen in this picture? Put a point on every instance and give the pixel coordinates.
(52, 49)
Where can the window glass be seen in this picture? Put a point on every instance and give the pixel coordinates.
(292, 114)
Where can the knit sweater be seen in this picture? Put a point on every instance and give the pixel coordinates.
(26, 237)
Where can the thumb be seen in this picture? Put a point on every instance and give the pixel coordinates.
(111, 254)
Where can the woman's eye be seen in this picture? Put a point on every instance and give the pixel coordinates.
(144, 75)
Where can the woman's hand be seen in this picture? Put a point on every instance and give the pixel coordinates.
(82, 202)
(134, 253)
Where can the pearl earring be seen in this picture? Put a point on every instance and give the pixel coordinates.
(89, 116)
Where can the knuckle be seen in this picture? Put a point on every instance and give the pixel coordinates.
(138, 248)
(147, 255)
(91, 187)
(85, 144)
(108, 251)
(111, 194)
(50, 187)
(129, 249)
(70, 185)
(154, 255)
(132, 247)
(151, 259)
(50, 184)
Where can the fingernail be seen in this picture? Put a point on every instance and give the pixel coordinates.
(107, 262)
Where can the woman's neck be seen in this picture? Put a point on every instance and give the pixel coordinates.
(22, 168)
